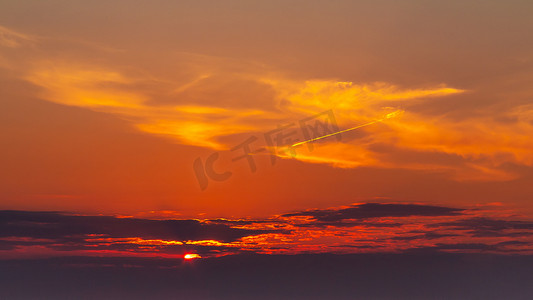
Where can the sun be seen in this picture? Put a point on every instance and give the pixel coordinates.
(190, 256)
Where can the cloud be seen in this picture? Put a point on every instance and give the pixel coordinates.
(363, 227)
(425, 236)
(192, 117)
(487, 224)
(128, 97)
(377, 210)
(213, 101)
(53, 225)
(13, 39)
(348, 224)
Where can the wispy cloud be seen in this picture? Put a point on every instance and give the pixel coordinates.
(13, 39)
(213, 100)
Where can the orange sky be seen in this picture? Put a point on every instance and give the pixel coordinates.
(105, 107)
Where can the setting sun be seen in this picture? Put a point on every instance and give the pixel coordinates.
(190, 256)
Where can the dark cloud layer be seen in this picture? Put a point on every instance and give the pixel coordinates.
(487, 224)
(54, 225)
(367, 227)
(377, 210)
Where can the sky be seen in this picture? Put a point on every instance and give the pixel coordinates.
(156, 129)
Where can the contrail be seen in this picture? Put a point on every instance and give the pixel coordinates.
(388, 116)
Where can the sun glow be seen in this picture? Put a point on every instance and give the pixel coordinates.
(190, 256)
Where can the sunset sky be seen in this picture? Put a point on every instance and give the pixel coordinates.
(160, 128)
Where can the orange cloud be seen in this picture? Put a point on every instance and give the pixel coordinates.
(483, 144)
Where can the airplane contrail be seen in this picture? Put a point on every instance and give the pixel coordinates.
(388, 116)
